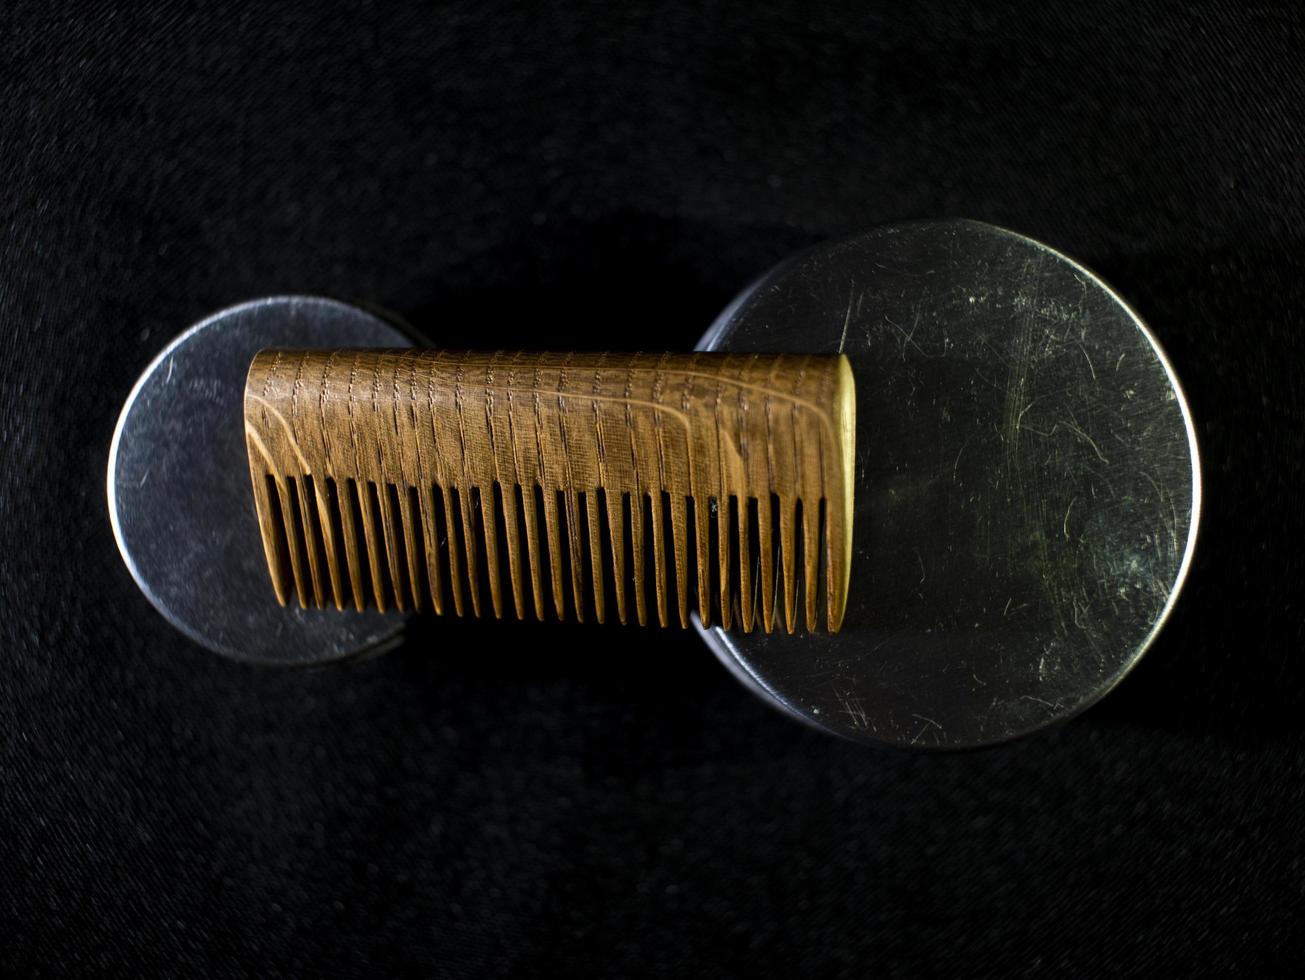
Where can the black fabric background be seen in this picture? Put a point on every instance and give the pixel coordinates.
(609, 175)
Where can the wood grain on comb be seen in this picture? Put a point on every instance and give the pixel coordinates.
(589, 482)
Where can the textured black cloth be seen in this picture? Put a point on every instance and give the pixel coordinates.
(609, 175)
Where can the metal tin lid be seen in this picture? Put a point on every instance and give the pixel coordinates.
(179, 492)
(1027, 485)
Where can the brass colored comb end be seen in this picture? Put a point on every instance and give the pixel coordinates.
(565, 484)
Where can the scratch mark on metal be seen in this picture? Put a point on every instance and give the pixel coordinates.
(1163, 497)
(1078, 431)
(854, 709)
(928, 723)
(847, 318)
(1087, 358)
(907, 338)
(1019, 419)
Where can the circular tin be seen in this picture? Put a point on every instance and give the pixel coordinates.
(1027, 485)
(179, 490)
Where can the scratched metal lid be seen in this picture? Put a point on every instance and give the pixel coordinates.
(1027, 486)
(179, 490)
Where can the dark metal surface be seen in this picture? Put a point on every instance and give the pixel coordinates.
(178, 486)
(1027, 485)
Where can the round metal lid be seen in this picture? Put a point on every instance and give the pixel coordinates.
(1027, 485)
(179, 492)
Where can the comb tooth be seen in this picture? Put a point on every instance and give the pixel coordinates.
(659, 556)
(554, 552)
(637, 558)
(469, 549)
(723, 554)
(411, 536)
(616, 525)
(349, 506)
(430, 536)
(745, 564)
(577, 557)
(811, 559)
(532, 543)
(489, 519)
(787, 549)
(390, 535)
(372, 540)
(702, 538)
(679, 531)
(512, 526)
(275, 539)
(596, 555)
(290, 515)
(325, 503)
(767, 544)
(455, 548)
(316, 575)
(835, 575)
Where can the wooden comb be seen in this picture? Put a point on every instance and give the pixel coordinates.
(421, 479)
